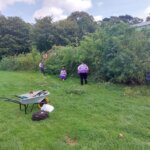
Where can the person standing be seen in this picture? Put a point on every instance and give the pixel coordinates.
(41, 67)
(63, 74)
(83, 71)
(148, 77)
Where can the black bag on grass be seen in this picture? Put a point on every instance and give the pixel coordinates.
(39, 116)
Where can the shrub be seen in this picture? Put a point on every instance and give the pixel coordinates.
(62, 56)
(21, 62)
(117, 56)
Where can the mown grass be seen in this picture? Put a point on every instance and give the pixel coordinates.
(100, 116)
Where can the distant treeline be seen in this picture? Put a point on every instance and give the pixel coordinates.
(113, 50)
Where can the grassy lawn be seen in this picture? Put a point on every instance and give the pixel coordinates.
(98, 116)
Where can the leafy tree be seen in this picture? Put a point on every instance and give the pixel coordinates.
(130, 20)
(148, 18)
(14, 36)
(43, 34)
(85, 23)
(65, 32)
(126, 19)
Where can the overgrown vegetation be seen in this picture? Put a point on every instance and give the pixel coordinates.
(21, 62)
(114, 51)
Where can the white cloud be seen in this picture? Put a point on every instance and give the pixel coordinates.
(143, 14)
(69, 5)
(58, 8)
(98, 18)
(5, 3)
(147, 11)
(55, 13)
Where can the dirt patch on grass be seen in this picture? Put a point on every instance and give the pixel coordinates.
(70, 141)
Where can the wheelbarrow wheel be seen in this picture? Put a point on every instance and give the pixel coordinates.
(44, 101)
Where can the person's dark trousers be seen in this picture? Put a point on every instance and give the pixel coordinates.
(42, 70)
(83, 78)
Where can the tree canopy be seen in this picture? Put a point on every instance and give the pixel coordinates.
(14, 36)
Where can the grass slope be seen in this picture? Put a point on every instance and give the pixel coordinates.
(92, 117)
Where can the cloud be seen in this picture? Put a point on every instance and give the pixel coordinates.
(55, 13)
(98, 18)
(147, 11)
(59, 8)
(5, 3)
(144, 13)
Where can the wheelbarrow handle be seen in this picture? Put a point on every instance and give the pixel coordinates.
(10, 100)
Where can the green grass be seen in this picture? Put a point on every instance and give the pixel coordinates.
(89, 117)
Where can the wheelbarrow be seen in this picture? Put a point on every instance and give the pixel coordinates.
(34, 97)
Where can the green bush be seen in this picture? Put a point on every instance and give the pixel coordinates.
(28, 62)
(62, 56)
(117, 56)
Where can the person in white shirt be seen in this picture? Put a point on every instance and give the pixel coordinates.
(41, 67)
(63, 74)
(83, 71)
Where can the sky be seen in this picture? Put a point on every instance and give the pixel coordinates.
(60, 9)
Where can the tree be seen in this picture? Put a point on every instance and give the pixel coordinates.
(14, 36)
(124, 18)
(43, 34)
(85, 23)
(65, 32)
(130, 20)
(148, 18)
